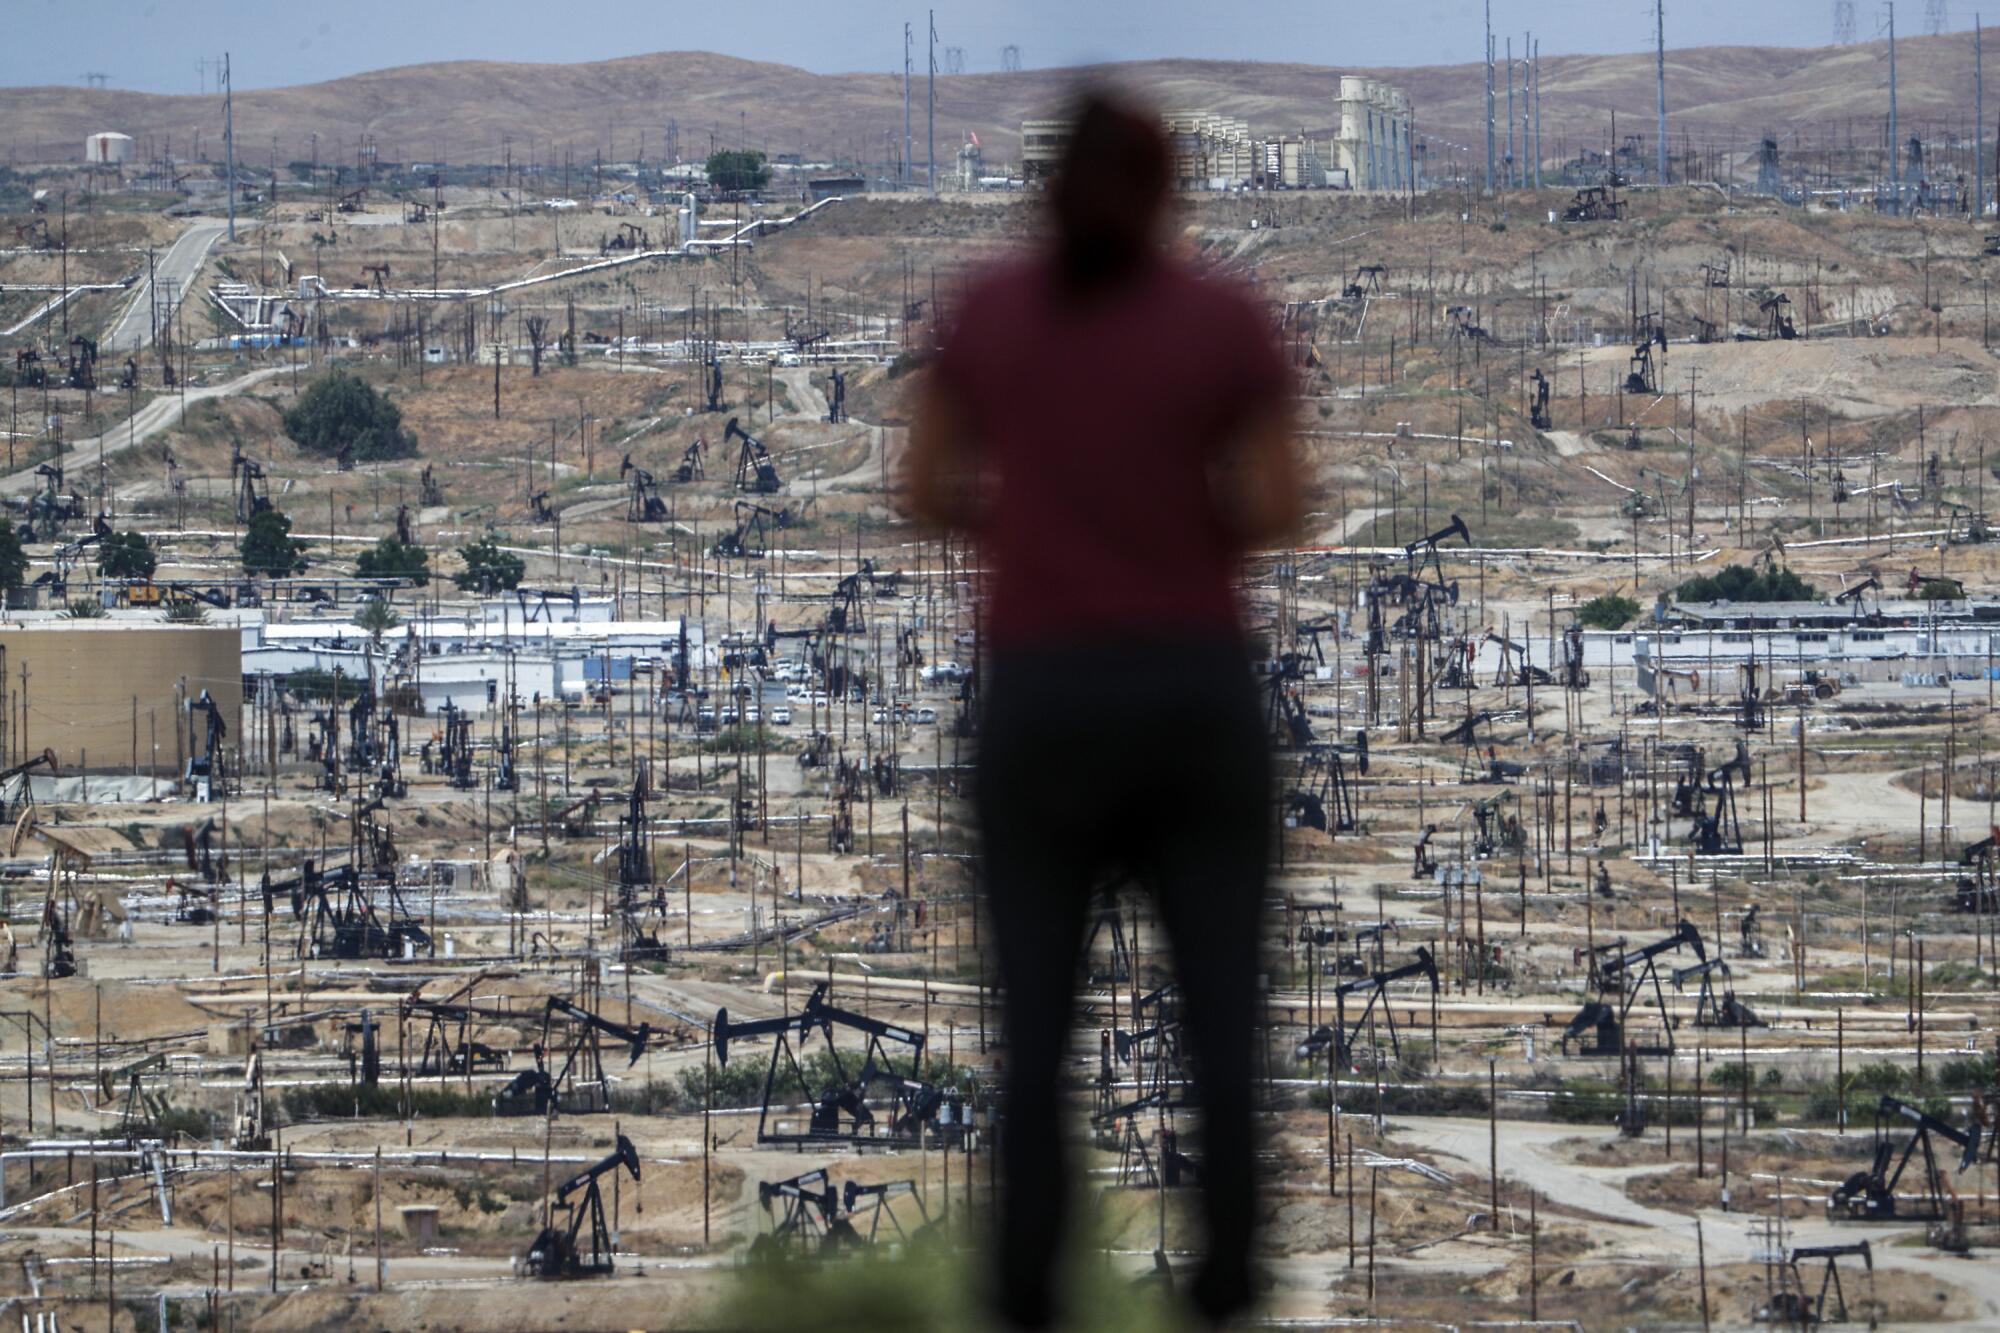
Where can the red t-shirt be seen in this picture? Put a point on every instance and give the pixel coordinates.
(1100, 421)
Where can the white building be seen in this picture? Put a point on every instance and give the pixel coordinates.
(107, 148)
(1373, 147)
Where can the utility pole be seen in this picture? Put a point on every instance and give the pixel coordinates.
(1507, 162)
(1489, 96)
(930, 116)
(1978, 128)
(1538, 113)
(908, 145)
(1660, 78)
(229, 138)
(1895, 176)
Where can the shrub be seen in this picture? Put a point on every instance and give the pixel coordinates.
(126, 555)
(341, 414)
(269, 548)
(393, 559)
(1609, 611)
(1741, 583)
(738, 169)
(488, 568)
(13, 560)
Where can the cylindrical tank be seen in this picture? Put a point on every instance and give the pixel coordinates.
(107, 148)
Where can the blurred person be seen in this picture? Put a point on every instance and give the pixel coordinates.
(1115, 429)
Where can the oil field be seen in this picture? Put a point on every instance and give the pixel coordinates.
(484, 755)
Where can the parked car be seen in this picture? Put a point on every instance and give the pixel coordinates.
(781, 716)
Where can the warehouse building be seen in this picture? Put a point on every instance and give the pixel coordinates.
(111, 696)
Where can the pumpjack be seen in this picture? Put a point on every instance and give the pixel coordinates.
(1870, 1195)
(429, 489)
(643, 503)
(46, 759)
(205, 774)
(1778, 324)
(712, 383)
(1538, 402)
(1716, 830)
(753, 524)
(691, 467)
(538, 508)
(1574, 675)
(1594, 203)
(754, 470)
(339, 918)
(1793, 1307)
(1619, 975)
(448, 1046)
(1367, 281)
(1639, 376)
(1711, 1010)
(1432, 564)
(836, 397)
(1340, 1036)
(578, 1085)
(808, 1221)
(1324, 796)
(455, 761)
(556, 1253)
(840, 1112)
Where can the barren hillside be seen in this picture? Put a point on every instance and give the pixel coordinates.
(462, 110)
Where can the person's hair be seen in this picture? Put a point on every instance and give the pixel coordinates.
(1108, 193)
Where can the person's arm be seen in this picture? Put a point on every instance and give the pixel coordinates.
(941, 467)
(1260, 488)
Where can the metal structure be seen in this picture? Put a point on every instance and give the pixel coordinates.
(1341, 1037)
(576, 1086)
(556, 1252)
(840, 1112)
(1870, 1195)
(754, 470)
(643, 503)
(1619, 977)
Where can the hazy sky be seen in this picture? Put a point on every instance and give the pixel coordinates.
(154, 45)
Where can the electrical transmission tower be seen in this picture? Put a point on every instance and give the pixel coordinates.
(1010, 58)
(1843, 22)
(954, 60)
(1935, 18)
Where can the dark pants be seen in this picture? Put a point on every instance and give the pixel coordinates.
(1152, 760)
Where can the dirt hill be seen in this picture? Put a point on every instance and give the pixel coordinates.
(462, 111)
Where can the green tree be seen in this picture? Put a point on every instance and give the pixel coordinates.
(738, 169)
(378, 618)
(1742, 583)
(13, 560)
(340, 413)
(269, 548)
(488, 568)
(1941, 590)
(1609, 611)
(126, 555)
(392, 559)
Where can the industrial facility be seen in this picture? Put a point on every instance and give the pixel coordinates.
(488, 761)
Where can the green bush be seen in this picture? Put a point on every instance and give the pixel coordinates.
(126, 555)
(1741, 583)
(341, 414)
(13, 560)
(1609, 611)
(738, 169)
(488, 568)
(393, 559)
(269, 548)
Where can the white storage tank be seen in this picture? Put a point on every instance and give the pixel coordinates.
(107, 148)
